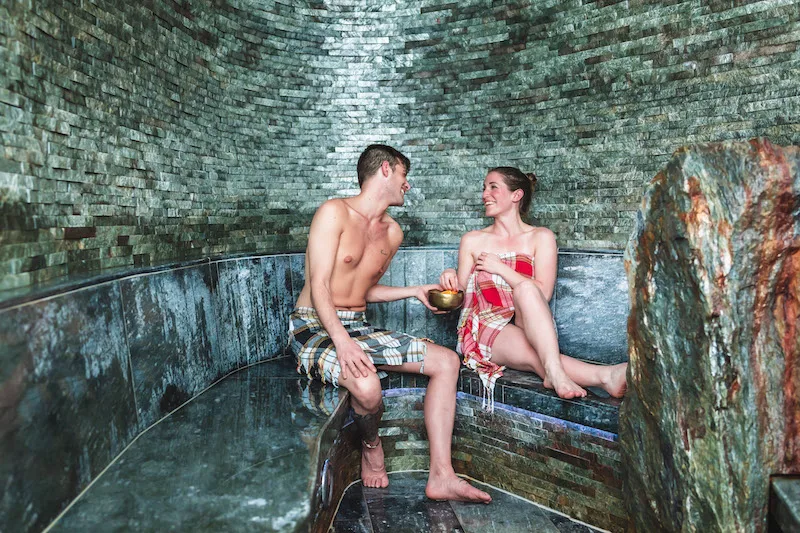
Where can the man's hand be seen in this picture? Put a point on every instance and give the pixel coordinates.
(353, 361)
(422, 295)
(449, 279)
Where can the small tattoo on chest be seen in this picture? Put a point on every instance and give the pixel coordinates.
(384, 252)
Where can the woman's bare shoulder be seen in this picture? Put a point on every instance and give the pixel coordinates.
(542, 239)
(474, 236)
(473, 241)
(540, 233)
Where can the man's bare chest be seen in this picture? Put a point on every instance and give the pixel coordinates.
(366, 252)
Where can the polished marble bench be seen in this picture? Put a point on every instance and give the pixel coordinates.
(90, 364)
(242, 456)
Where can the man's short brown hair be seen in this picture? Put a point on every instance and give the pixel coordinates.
(373, 157)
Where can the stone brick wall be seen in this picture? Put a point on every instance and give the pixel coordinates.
(143, 132)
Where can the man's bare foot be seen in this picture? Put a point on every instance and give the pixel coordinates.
(562, 384)
(615, 380)
(373, 470)
(454, 488)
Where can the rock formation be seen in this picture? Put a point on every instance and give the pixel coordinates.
(714, 278)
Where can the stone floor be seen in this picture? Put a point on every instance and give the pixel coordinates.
(403, 507)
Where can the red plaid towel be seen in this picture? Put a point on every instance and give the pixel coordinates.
(488, 308)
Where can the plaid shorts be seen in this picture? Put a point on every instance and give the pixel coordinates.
(316, 354)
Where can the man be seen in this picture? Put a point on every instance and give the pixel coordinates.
(350, 245)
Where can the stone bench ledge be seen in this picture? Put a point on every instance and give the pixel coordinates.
(784, 504)
(526, 391)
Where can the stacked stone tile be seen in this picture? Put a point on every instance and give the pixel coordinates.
(142, 133)
(572, 469)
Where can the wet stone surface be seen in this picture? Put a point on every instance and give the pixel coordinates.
(237, 458)
(67, 403)
(403, 507)
(784, 504)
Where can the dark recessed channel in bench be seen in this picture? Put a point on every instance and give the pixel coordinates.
(86, 371)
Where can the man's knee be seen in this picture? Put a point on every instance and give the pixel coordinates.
(366, 391)
(443, 360)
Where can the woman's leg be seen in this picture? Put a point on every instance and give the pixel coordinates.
(535, 320)
(512, 349)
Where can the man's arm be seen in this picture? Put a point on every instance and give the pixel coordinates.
(323, 243)
(386, 293)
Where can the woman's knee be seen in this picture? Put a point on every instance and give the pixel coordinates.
(528, 291)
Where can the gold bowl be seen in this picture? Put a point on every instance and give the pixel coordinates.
(445, 301)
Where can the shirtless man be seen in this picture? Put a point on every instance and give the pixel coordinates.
(350, 245)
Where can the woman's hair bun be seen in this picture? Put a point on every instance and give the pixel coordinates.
(532, 177)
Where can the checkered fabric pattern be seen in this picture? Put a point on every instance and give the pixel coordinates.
(316, 354)
(488, 308)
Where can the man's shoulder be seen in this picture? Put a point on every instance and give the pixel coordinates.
(332, 209)
(387, 218)
(394, 230)
(334, 204)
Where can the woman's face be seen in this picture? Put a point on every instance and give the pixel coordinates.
(497, 198)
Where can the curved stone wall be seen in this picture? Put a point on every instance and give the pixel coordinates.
(85, 368)
(135, 134)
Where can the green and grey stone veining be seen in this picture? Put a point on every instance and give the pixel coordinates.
(239, 457)
(714, 275)
(138, 133)
(68, 405)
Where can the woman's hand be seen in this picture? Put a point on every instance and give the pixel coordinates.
(449, 279)
(490, 263)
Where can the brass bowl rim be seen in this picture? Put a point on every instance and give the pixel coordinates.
(459, 296)
(442, 291)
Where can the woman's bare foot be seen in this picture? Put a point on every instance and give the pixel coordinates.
(615, 381)
(558, 380)
(452, 487)
(373, 470)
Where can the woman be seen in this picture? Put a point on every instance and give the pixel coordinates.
(496, 269)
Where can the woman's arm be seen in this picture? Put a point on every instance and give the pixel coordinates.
(492, 264)
(545, 256)
(545, 260)
(457, 280)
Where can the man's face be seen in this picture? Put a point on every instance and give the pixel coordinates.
(398, 184)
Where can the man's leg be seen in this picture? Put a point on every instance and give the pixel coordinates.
(367, 403)
(442, 367)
